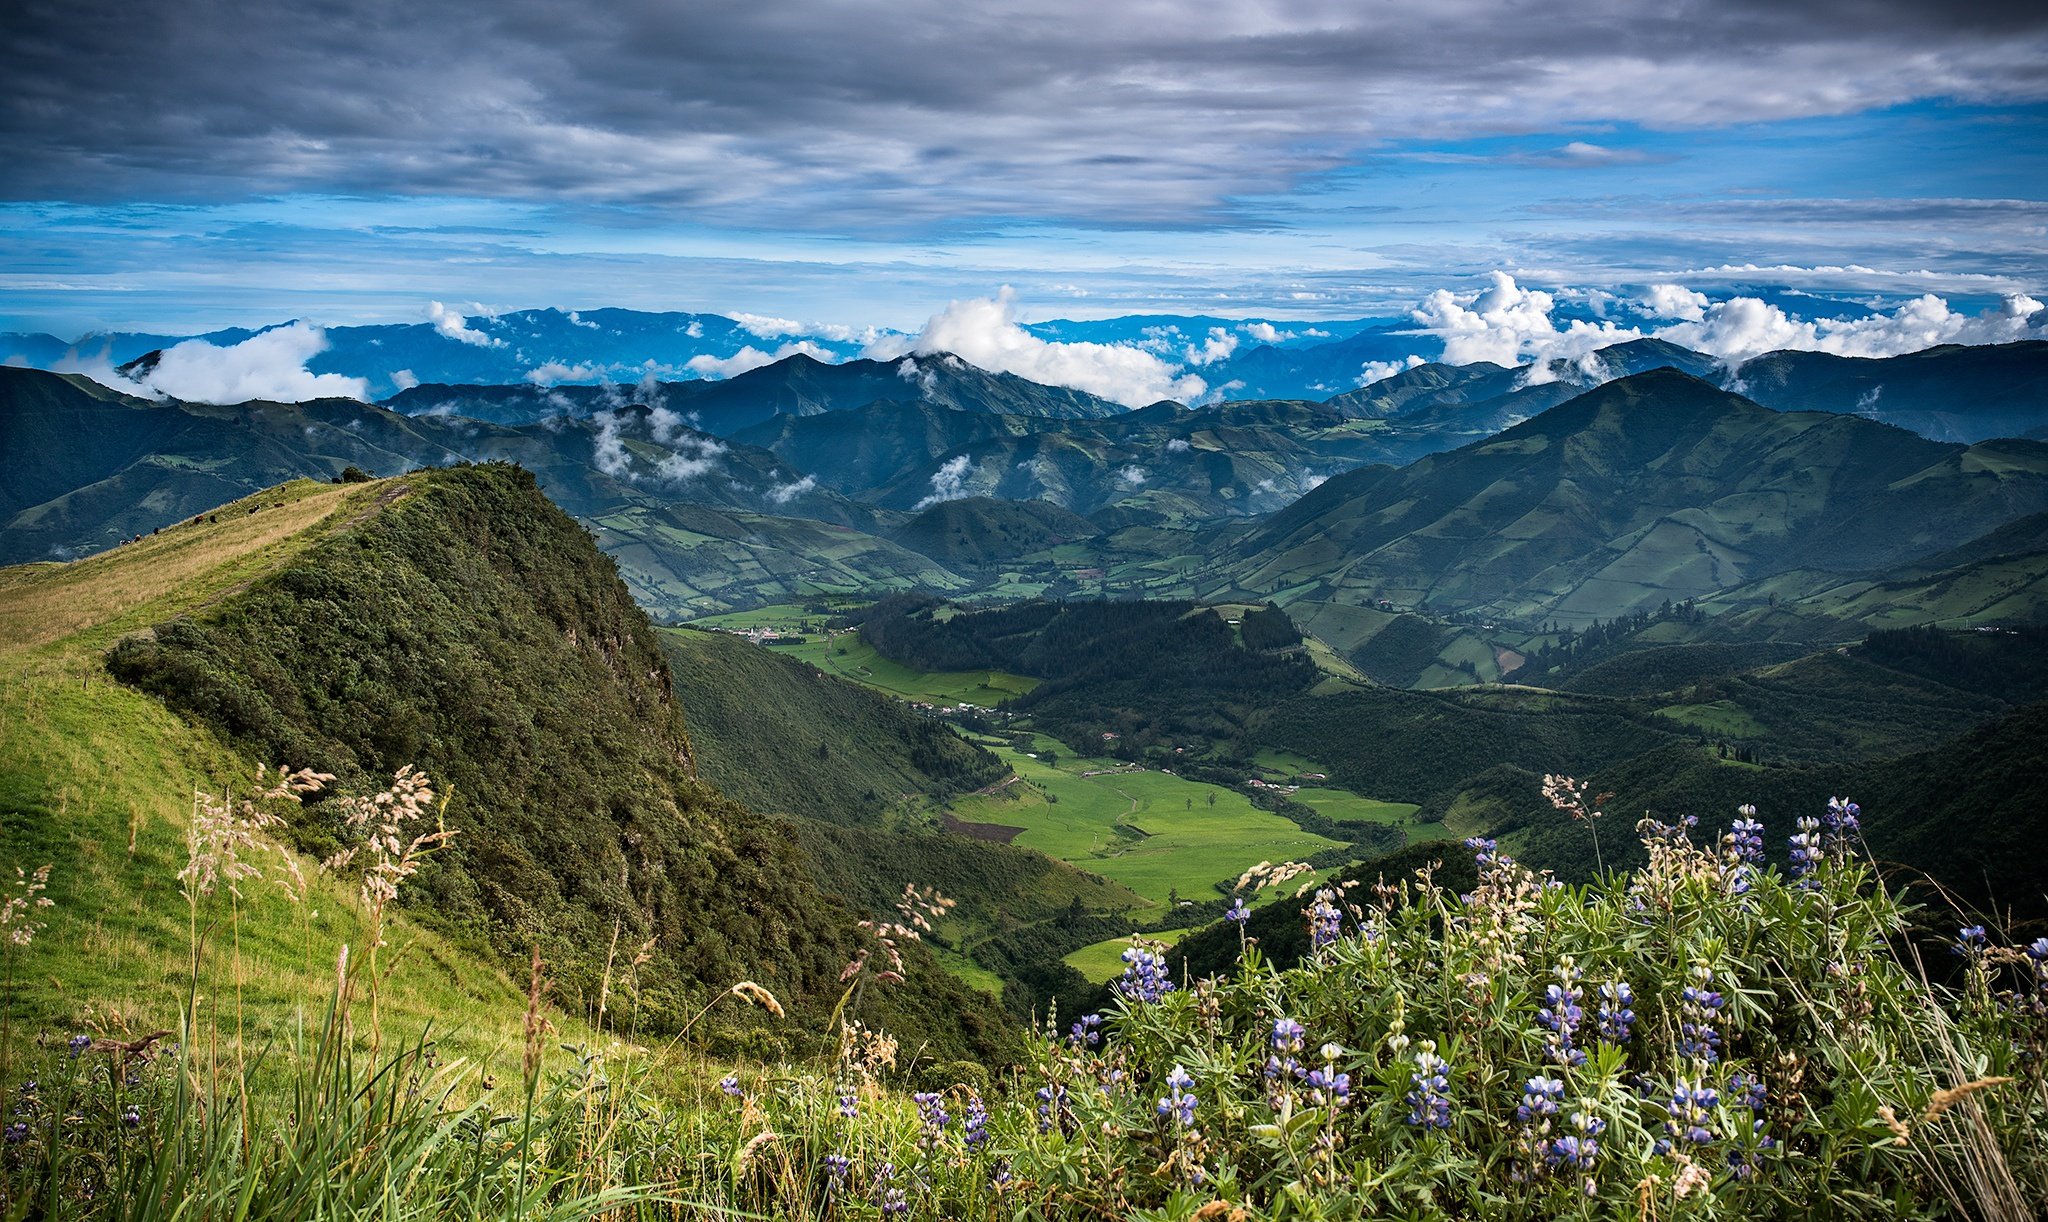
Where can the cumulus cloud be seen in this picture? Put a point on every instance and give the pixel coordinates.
(1380, 371)
(985, 332)
(691, 457)
(456, 327)
(404, 379)
(1218, 346)
(1266, 333)
(762, 326)
(554, 372)
(608, 452)
(1179, 445)
(783, 494)
(949, 482)
(1507, 324)
(269, 365)
(1131, 476)
(1674, 301)
(749, 357)
(686, 456)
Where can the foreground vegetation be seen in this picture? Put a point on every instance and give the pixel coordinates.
(1702, 1037)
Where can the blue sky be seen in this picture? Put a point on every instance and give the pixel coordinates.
(216, 163)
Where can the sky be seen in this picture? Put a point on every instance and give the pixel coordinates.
(190, 164)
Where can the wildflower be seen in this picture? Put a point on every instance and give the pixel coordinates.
(1327, 1085)
(17, 1133)
(894, 1203)
(15, 927)
(79, 1043)
(1429, 1106)
(1179, 1103)
(132, 1117)
(849, 1104)
(1617, 1017)
(974, 1127)
(1325, 919)
(931, 1117)
(2037, 950)
(1745, 839)
(1697, 1008)
(1561, 1014)
(1237, 911)
(1970, 940)
(1581, 1147)
(1144, 977)
(1279, 1069)
(1051, 1100)
(1540, 1095)
(1806, 851)
(1287, 1035)
(838, 1167)
(1842, 818)
(1485, 852)
(1086, 1032)
(730, 1084)
(1689, 1115)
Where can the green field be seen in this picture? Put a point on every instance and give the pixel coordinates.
(1104, 960)
(1155, 833)
(1722, 717)
(844, 654)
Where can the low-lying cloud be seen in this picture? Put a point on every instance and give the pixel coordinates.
(269, 365)
(1510, 325)
(949, 482)
(984, 331)
(456, 327)
(718, 368)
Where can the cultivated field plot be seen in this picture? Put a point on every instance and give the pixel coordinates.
(1155, 833)
(844, 654)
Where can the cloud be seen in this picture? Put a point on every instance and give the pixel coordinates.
(1266, 333)
(949, 482)
(1131, 476)
(761, 326)
(687, 455)
(1217, 347)
(456, 327)
(749, 357)
(1179, 445)
(1674, 301)
(554, 371)
(984, 331)
(269, 365)
(608, 450)
(403, 379)
(1380, 371)
(783, 494)
(691, 457)
(1507, 324)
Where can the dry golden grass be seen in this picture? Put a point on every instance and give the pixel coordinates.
(168, 573)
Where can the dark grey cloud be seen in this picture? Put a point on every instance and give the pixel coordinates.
(866, 117)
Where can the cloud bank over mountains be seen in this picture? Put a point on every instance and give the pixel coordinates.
(1500, 320)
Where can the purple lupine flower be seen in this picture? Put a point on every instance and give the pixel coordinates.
(2037, 950)
(974, 1126)
(1179, 1103)
(79, 1043)
(1086, 1032)
(1144, 977)
(838, 1167)
(1429, 1103)
(1329, 1086)
(1540, 1097)
(730, 1084)
(1238, 912)
(894, 1203)
(849, 1103)
(1843, 818)
(1325, 920)
(1970, 940)
(1745, 839)
(1051, 1100)
(1697, 1008)
(132, 1117)
(931, 1117)
(1485, 852)
(1806, 851)
(1288, 1035)
(17, 1133)
(1617, 1018)
(1561, 1014)
(1689, 1115)
(1282, 1070)
(1581, 1148)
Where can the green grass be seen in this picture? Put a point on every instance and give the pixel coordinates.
(1156, 834)
(1103, 960)
(1721, 717)
(849, 657)
(97, 780)
(1343, 806)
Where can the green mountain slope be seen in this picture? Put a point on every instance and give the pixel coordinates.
(1652, 487)
(1950, 392)
(471, 628)
(975, 532)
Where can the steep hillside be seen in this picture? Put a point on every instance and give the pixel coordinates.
(1950, 393)
(975, 532)
(471, 628)
(1652, 487)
